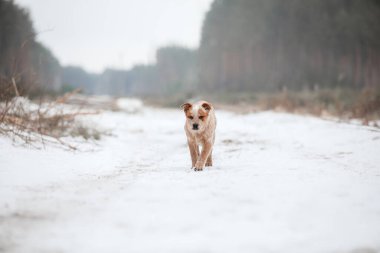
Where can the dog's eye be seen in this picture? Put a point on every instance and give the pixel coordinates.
(191, 117)
(201, 117)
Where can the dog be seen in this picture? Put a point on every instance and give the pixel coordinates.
(200, 131)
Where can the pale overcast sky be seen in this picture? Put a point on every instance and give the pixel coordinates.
(97, 34)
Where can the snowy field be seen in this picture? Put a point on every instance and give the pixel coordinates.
(280, 183)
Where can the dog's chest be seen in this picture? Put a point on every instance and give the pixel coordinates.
(199, 139)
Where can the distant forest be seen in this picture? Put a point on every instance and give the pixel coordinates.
(175, 71)
(250, 45)
(246, 45)
(23, 60)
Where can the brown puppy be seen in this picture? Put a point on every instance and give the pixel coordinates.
(200, 131)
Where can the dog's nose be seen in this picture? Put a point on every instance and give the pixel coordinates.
(195, 126)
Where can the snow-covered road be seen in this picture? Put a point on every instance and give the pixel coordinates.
(280, 183)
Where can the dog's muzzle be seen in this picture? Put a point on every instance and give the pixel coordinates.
(195, 126)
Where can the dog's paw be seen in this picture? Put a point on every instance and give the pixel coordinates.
(208, 164)
(198, 166)
(195, 168)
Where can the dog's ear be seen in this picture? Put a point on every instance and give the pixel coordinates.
(186, 106)
(207, 106)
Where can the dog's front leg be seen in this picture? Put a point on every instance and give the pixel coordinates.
(194, 152)
(206, 150)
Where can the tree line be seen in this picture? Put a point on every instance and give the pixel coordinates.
(24, 61)
(35, 70)
(255, 45)
(267, 45)
(175, 70)
(246, 45)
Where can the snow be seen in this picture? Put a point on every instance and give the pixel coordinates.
(20, 104)
(129, 105)
(280, 183)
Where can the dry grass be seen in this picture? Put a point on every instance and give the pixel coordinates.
(42, 122)
(341, 103)
(344, 104)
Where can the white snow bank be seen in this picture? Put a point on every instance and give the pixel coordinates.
(19, 106)
(130, 105)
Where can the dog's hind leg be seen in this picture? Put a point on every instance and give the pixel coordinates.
(209, 160)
